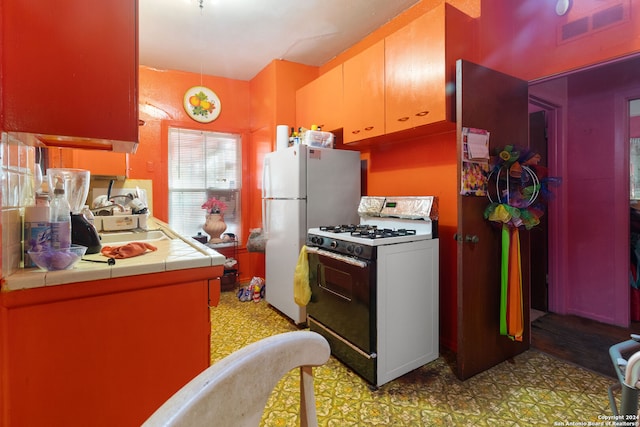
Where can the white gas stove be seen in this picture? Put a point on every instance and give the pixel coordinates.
(383, 221)
(371, 280)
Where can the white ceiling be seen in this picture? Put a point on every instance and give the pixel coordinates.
(238, 38)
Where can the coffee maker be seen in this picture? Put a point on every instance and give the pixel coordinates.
(76, 190)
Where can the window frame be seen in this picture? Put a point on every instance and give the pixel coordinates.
(233, 190)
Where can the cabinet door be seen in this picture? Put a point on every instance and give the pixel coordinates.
(103, 360)
(364, 94)
(320, 102)
(95, 161)
(102, 163)
(415, 75)
(70, 68)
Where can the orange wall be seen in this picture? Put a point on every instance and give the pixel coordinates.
(163, 91)
(161, 100)
(252, 109)
(262, 111)
(273, 93)
(273, 102)
(418, 167)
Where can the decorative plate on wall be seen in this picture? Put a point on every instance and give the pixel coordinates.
(202, 104)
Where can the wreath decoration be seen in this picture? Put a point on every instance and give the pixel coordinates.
(516, 183)
(517, 188)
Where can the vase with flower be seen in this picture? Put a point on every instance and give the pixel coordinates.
(214, 225)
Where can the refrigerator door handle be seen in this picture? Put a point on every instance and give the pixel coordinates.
(265, 223)
(265, 168)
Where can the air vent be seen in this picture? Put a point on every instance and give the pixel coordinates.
(608, 16)
(597, 20)
(575, 28)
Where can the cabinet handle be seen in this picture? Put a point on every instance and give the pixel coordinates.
(355, 132)
(403, 119)
(422, 113)
(368, 128)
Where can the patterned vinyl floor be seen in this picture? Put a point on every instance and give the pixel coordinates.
(533, 389)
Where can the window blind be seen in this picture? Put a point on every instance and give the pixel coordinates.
(203, 164)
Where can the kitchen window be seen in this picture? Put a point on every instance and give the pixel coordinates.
(203, 164)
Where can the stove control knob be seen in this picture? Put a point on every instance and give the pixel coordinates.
(317, 240)
(350, 249)
(334, 244)
(358, 250)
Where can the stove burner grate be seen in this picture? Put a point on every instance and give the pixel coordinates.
(376, 233)
(348, 228)
(368, 231)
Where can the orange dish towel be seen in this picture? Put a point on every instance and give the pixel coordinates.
(127, 251)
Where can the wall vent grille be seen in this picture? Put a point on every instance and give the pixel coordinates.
(608, 17)
(575, 28)
(596, 21)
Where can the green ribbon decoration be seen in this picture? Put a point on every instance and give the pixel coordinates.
(504, 279)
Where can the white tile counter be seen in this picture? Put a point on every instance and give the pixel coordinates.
(173, 253)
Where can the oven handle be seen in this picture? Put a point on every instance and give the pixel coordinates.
(339, 257)
(339, 338)
(334, 292)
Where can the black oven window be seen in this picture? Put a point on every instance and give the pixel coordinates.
(336, 281)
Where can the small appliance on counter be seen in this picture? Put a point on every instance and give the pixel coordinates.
(120, 221)
(120, 212)
(76, 189)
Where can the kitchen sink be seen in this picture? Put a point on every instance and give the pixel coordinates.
(121, 237)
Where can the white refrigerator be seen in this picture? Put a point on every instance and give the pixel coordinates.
(303, 187)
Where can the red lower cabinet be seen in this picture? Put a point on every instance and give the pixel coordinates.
(103, 353)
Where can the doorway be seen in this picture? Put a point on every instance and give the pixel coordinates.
(634, 205)
(545, 130)
(539, 234)
(587, 116)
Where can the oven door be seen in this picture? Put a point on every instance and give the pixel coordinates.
(343, 297)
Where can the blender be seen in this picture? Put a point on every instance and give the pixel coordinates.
(76, 190)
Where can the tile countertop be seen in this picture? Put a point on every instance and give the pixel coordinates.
(174, 253)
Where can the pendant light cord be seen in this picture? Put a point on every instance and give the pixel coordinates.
(201, 5)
